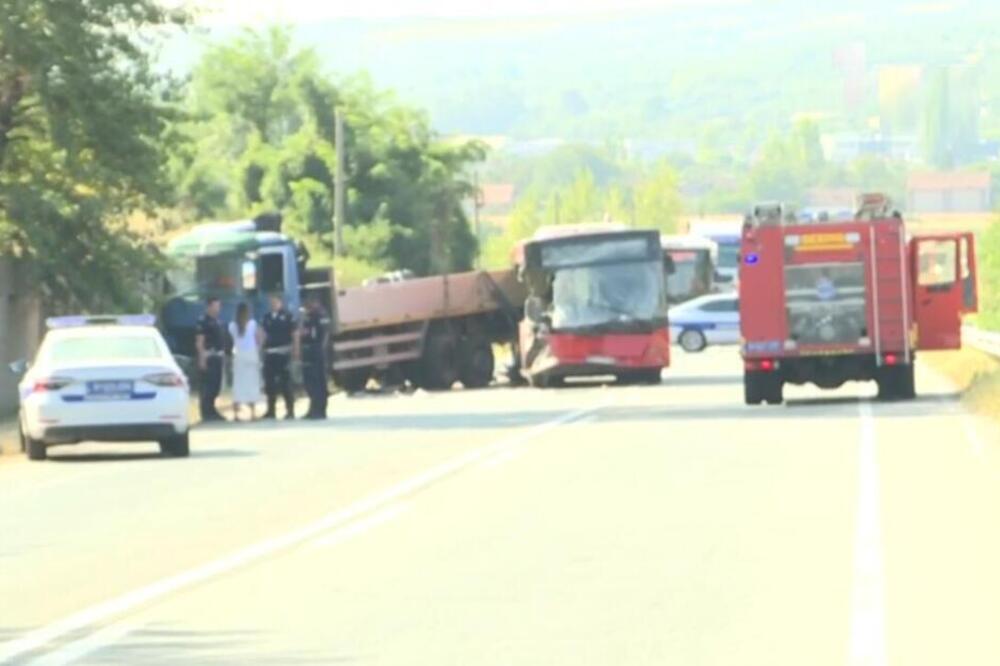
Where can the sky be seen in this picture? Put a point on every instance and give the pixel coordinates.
(299, 11)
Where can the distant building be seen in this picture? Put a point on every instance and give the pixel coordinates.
(832, 198)
(949, 192)
(848, 147)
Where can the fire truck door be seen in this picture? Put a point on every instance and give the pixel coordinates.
(938, 294)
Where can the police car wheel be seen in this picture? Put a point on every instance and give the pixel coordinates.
(35, 449)
(178, 446)
(692, 340)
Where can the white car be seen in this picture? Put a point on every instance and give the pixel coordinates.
(713, 319)
(109, 379)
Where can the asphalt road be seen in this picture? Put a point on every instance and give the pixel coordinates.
(659, 525)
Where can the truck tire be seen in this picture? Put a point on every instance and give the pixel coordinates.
(178, 446)
(896, 383)
(775, 391)
(478, 365)
(907, 382)
(752, 388)
(439, 364)
(354, 380)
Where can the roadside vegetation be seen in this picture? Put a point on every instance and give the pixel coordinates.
(976, 374)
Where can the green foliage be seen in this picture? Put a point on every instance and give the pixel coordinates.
(263, 134)
(82, 122)
(989, 277)
(651, 201)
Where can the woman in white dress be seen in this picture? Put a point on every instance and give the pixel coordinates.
(247, 340)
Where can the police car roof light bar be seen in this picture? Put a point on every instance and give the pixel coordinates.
(76, 321)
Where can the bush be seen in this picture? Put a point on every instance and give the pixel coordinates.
(989, 278)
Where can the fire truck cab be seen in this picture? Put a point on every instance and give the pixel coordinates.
(834, 301)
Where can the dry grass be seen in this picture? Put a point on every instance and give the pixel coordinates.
(976, 373)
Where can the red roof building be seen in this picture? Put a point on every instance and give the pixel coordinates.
(949, 192)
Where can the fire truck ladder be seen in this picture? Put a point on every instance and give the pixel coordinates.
(890, 293)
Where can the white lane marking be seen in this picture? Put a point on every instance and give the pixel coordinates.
(39, 638)
(515, 451)
(867, 645)
(359, 527)
(87, 646)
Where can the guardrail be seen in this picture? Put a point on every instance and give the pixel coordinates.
(984, 341)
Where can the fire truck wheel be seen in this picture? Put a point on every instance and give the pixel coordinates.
(775, 394)
(692, 340)
(477, 363)
(907, 384)
(752, 388)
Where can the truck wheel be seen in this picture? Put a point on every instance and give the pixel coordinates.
(353, 380)
(178, 446)
(439, 364)
(907, 382)
(692, 340)
(752, 389)
(477, 363)
(775, 390)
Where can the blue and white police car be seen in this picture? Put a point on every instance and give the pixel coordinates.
(105, 379)
(712, 319)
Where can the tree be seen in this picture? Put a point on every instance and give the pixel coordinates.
(82, 121)
(657, 199)
(263, 130)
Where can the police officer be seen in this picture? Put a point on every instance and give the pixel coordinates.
(279, 346)
(210, 344)
(314, 341)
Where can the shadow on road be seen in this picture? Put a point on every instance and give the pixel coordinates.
(708, 380)
(118, 456)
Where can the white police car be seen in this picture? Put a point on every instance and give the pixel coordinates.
(712, 319)
(108, 378)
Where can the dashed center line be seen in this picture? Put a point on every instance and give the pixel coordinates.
(867, 644)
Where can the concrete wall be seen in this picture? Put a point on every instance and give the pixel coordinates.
(20, 326)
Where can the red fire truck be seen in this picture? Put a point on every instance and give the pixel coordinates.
(597, 305)
(831, 302)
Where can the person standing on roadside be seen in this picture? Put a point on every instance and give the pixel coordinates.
(314, 341)
(247, 340)
(279, 347)
(209, 343)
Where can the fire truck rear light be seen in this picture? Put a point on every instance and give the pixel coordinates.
(767, 365)
(891, 359)
(792, 240)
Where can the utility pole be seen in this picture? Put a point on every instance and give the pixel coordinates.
(339, 209)
(477, 203)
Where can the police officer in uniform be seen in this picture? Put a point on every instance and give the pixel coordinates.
(279, 347)
(314, 341)
(210, 344)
